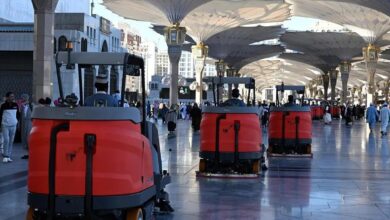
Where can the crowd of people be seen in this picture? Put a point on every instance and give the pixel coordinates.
(169, 116)
(381, 114)
(15, 115)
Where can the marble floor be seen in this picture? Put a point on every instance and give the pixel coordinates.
(347, 178)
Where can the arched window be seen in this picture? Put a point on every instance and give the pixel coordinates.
(54, 45)
(84, 45)
(62, 43)
(105, 46)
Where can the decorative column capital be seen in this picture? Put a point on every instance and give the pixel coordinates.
(200, 51)
(44, 6)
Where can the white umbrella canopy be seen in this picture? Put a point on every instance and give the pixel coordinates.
(271, 71)
(344, 45)
(358, 74)
(164, 12)
(220, 15)
(233, 40)
(324, 63)
(379, 5)
(202, 18)
(367, 22)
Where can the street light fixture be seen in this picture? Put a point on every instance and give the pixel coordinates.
(371, 53)
(345, 67)
(175, 35)
(221, 68)
(69, 48)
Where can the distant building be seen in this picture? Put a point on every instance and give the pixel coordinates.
(163, 66)
(186, 65)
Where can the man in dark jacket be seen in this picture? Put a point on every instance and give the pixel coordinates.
(101, 98)
(9, 115)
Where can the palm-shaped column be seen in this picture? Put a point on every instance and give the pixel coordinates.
(311, 88)
(386, 90)
(325, 81)
(174, 36)
(371, 56)
(345, 69)
(43, 47)
(333, 75)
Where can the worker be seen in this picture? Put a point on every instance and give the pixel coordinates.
(384, 117)
(371, 116)
(290, 101)
(234, 101)
(101, 98)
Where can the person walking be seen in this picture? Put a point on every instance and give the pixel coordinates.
(183, 111)
(348, 115)
(384, 117)
(9, 115)
(196, 115)
(171, 118)
(371, 116)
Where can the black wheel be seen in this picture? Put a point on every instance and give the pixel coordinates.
(308, 149)
(135, 214)
(256, 167)
(30, 214)
(202, 165)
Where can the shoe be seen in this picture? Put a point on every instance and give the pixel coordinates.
(9, 159)
(5, 160)
(25, 157)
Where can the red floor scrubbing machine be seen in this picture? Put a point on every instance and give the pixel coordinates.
(95, 162)
(231, 141)
(317, 109)
(335, 109)
(290, 127)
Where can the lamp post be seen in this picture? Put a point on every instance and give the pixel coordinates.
(370, 54)
(199, 52)
(69, 49)
(174, 37)
(221, 69)
(345, 69)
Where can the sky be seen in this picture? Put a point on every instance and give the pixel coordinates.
(143, 28)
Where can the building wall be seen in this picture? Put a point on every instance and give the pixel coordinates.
(16, 65)
(10, 41)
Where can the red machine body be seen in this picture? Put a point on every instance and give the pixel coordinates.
(91, 162)
(231, 142)
(317, 112)
(290, 130)
(120, 166)
(335, 111)
(249, 137)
